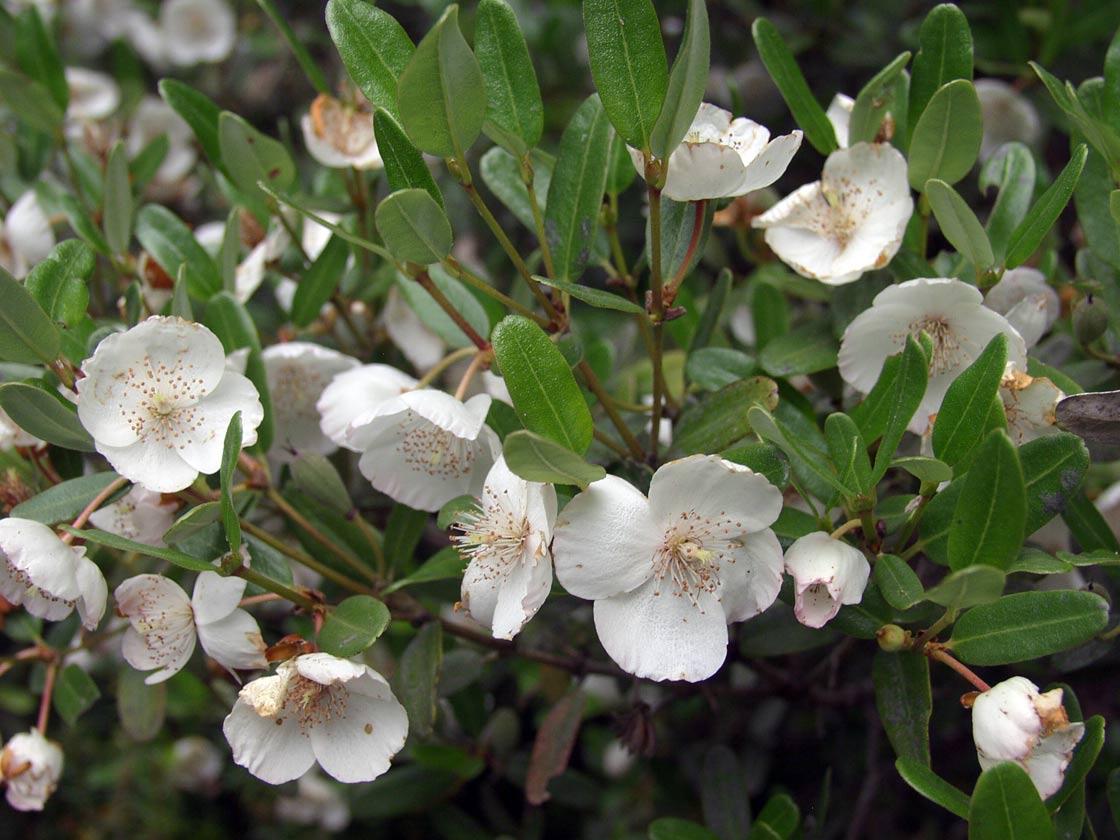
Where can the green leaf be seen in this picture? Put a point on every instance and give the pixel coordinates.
(848, 453)
(764, 458)
(724, 797)
(414, 227)
(353, 626)
(74, 693)
(1087, 525)
(887, 410)
(374, 48)
(779, 817)
(901, 588)
(1012, 169)
(30, 101)
(446, 564)
(319, 282)
(1053, 469)
(180, 300)
(171, 555)
(63, 502)
(672, 828)
(141, 708)
(553, 745)
(501, 172)
(1076, 103)
(1030, 232)
(316, 476)
(687, 82)
(713, 312)
(514, 112)
(722, 418)
(968, 587)
(769, 429)
(441, 93)
(404, 165)
(575, 193)
(117, 201)
(928, 470)
(680, 238)
(27, 335)
(902, 695)
(537, 458)
(933, 787)
(418, 676)
(193, 522)
(58, 283)
(960, 225)
(1006, 806)
(231, 449)
(1084, 757)
(945, 55)
(875, 99)
(40, 413)
(230, 321)
(806, 349)
(598, 298)
(628, 65)
(787, 76)
(541, 384)
(199, 112)
(711, 368)
(433, 316)
(37, 54)
(1028, 625)
(171, 243)
(946, 139)
(78, 218)
(992, 508)
(960, 423)
(251, 156)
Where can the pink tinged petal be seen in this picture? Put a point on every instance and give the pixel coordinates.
(215, 597)
(356, 393)
(826, 574)
(751, 576)
(158, 468)
(272, 748)
(661, 635)
(358, 744)
(234, 642)
(162, 634)
(605, 540)
(203, 432)
(729, 499)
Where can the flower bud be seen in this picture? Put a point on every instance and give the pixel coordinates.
(30, 766)
(1012, 721)
(892, 638)
(1090, 319)
(826, 573)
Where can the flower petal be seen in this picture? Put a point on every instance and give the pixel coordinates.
(214, 597)
(357, 393)
(271, 748)
(728, 498)
(158, 468)
(201, 445)
(234, 642)
(750, 584)
(357, 746)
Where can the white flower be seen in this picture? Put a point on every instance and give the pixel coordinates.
(339, 135)
(950, 311)
(1013, 722)
(93, 96)
(507, 541)
(197, 31)
(849, 222)
(317, 802)
(356, 393)
(422, 347)
(839, 113)
(196, 764)
(1024, 298)
(670, 572)
(142, 515)
(30, 766)
(722, 157)
(165, 624)
(1030, 404)
(91, 24)
(424, 448)
(154, 118)
(12, 435)
(1008, 116)
(25, 236)
(47, 576)
(158, 399)
(320, 708)
(826, 573)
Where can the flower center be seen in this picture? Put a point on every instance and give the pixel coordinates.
(493, 539)
(427, 448)
(311, 704)
(947, 351)
(161, 404)
(690, 568)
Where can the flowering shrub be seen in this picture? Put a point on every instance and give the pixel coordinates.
(544, 462)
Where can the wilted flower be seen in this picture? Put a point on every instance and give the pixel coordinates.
(953, 315)
(47, 576)
(355, 393)
(721, 157)
(826, 573)
(1026, 300)
(1007, 116)
(339, 135)
(154, 118)
(320, 708)
(25, 236)
(1030, 403)
(1012, 721)
(849, 222)
(142, 516)
(317, 802)
(30, 766)
(93, 96)
(670, 572)
(158, 399)
(507, 541)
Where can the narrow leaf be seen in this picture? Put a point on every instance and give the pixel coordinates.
(27, 335)
(1006, 806)
(945, 55)
(902, 695)
(418, 676)
(319, 282)
(514, 111)
(933, 787)
(163, 235)
(1012, 169)
(992, 509)
(721, 419)
(1030, 232)
(553, 745)
(687, 82)
(43, 415)
(117, 213)
(960, 225)
(404, 165)
(63, 502)
(960, 425)
(231, 449)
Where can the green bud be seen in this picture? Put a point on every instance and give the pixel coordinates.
(1090, 319)
(892, 638)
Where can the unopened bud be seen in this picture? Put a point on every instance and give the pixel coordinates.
(1090, 319)
(892, 638)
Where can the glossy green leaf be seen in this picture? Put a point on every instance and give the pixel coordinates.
(933, 787)
(251, 156)
(117, 201)
(316, 476)
(1053, 469)
(685, 226)
(713, 312)
(899, 584)
(902, 695)
(404, 164)
(928, 470)
(848, 453)
(353, 626)
(673, 828)
(441, 93)
(797, 450)
(501, 172)
(711, 368)
(960, 225)
(199, 111)
(628, 64)
(171, 243)
(30, 101)
(537, 458)
(42, 414)
(764, 458)
(874, 101)
(575, 193)
(946, 139)
(74, 693)
(992, 509)
(787, 76)
(887, 410)
(171, 555)
(446, 564)
(806, 349)
(1012, 169)
(968, 587)
(58, 283)
(1028, 625)
(180, 300)
(63, 502)
(514, 112)
(688, 79)
(319, 282)
(1096, 127)
(79, 218)
(779, 817)
(945, 54)
(722, 418)
(414, 227)
(228, 319)
(598, 298)
(960, 423)
(374, 48)
(724, 798)
(231, 450)
(418, 676)
(27, 335)
(1006, 806)
(195, 520)
(1087, 525)
(1030, 232)
(299, 50)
